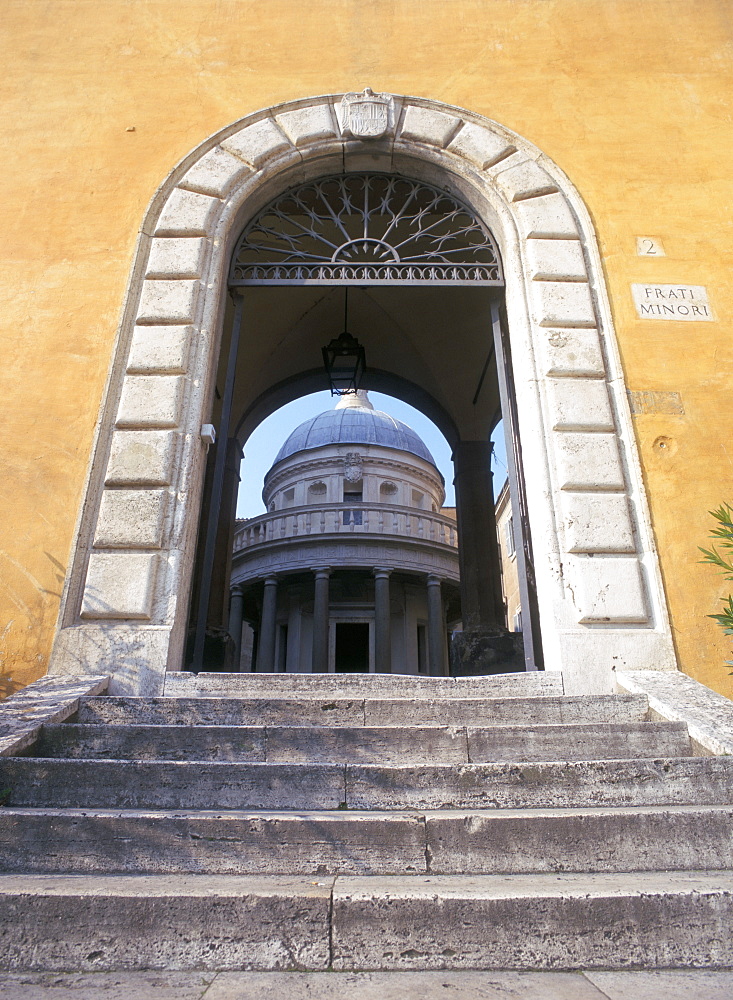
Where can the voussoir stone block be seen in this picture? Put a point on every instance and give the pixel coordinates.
(130, 519)
(587, 461)
(168, 301)
(608, 589)
(546, 217)
(119, 585)
(258, 143)
(525, 180)
(159, 350)
(308, 124)
(216, 173)
(150, 401)
(141, 458)
(579, 404)
(562, 303)
(176, 257)
(555, 260)
(187, 213)
(597, 522)
(571, 352)
(480, 146)
(434, 128)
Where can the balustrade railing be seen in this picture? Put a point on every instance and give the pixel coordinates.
(346, 519)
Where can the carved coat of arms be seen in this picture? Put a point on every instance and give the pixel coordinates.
(367, 115)
(352, 467)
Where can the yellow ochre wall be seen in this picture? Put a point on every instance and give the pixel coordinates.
(100, 98)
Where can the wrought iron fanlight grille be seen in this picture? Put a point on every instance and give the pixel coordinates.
(365, 228)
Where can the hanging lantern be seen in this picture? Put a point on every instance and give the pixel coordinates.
(344, 360)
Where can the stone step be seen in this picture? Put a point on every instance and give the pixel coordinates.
(313, 711)
(164, 922)
(57, 783)
(653, 920)
(466, 984)
(455, 842)
(383, 745)
(533, 684)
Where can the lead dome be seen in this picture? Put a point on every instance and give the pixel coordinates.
(354, 421)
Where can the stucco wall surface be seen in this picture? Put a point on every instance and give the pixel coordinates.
(100, 98)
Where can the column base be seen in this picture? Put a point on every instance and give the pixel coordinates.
(219, 649)
(480, 651)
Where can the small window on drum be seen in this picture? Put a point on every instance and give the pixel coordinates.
(288, 498)
(353, 494)
(418, 499)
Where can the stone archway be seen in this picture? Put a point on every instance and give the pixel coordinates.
(599, 586)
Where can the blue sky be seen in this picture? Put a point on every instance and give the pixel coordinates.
(265, 442)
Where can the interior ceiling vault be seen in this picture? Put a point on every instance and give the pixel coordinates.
(438, 339)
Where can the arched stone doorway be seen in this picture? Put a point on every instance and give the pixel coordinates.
(600, 596)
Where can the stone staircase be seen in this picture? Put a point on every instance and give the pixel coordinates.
(361, 822)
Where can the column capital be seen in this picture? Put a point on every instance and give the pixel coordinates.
(270, 580)
(322, 571)
(237, 588)
(433, 580)
(382, 572)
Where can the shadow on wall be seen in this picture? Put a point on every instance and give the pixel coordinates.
(33, 604)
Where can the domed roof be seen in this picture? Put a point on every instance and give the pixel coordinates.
(354, 421)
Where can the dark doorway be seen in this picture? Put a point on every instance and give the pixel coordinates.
(352, 648)
(426, 303)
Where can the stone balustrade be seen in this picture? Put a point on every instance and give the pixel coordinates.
(343, 519)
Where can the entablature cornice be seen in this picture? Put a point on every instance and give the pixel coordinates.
(408, 555)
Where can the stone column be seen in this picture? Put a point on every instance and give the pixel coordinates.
(482, 605)
(266, 647)
(293, 663)
(319, 664)
(382, 622)
(436, 628)
(222, 568)
(485, 646)
(236, 608)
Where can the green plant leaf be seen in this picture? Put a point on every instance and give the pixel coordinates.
(723, 534)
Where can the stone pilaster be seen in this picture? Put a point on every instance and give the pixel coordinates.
(478, 548)
(236, 608)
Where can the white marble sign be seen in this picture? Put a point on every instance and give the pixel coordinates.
(649, 246)
(688, 303)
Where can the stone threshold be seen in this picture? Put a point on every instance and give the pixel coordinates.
(676, 984)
